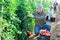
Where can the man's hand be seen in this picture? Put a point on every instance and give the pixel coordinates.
(53, 16)
(30, 15)
(42, 32)
(47, 33)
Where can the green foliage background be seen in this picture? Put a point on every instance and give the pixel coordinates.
(15, 22)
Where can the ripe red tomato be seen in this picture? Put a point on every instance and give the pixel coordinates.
(46, 33)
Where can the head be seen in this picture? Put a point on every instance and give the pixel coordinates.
(39, 8)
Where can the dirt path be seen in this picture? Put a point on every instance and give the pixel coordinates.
(55, 30)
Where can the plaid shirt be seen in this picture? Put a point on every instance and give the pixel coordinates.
(39, 18)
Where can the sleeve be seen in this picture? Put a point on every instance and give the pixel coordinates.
(45, 16)
(34, 13)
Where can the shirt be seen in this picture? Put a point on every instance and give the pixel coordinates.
(39, 18)
(51, 12)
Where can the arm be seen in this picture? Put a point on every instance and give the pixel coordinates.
(31, 15)
(44, 16)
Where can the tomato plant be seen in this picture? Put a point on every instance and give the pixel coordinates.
(15, 22)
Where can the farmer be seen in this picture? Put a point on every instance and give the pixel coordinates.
(52, 16)
(50, 13)
(40, 23)
(55, 6)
